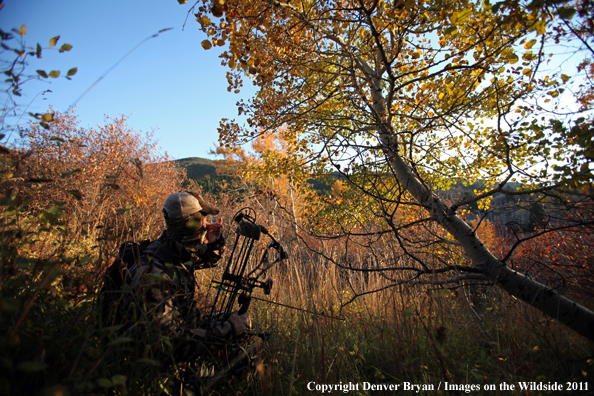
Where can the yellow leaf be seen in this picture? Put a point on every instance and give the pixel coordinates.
(527, 56)
(529, 44)
(47, 117)
(54, 41)
(206, 44)
(23, 30)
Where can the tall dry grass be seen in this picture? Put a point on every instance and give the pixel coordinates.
(418, 333)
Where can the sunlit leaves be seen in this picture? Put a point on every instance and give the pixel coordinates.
(65, 47)
(440, 65)
(529, 44)
(53, 41)
(48, 117)
(90, 167)
(512, 58)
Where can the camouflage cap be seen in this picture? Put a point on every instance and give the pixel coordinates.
(183, 204)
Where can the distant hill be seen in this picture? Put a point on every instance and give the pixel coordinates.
(197, 167)
(504, 208)
(204, 172)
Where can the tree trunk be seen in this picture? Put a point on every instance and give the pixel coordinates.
(548, 301)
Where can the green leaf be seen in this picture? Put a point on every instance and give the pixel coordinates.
(125, 210)
(408, 312)
(512, 58)
(464, 15)
(76, 194)
(54, 73)
(566, 12)
(104, 383)
(450, 30)
(120, 341)
(72, 71)
(150, 362)
(565, 78)
(42, 73)
(65, 47)
(54, 41)
(31, 366)
(114, 328)
(454, 17)
(72, 172)
(118, 379)
(38, 51)
(24, 262)
(39, 180)
(540, 27)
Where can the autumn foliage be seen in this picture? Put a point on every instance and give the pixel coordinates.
(564, 260)
(99, 173)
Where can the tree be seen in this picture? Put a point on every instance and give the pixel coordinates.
(407, 98)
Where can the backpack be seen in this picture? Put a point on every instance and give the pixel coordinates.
(110, 307)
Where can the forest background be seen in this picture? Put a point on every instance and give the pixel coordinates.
(427, 166)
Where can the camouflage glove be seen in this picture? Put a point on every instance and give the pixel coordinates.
(211, 253)
(240, 323)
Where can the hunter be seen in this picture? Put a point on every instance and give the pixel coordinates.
(159, 277)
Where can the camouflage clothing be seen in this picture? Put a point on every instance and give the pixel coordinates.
(159, 289)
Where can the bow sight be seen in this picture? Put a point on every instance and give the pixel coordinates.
(238, 281)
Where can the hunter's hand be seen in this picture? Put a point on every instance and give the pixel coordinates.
(240, 322)
(213, 231)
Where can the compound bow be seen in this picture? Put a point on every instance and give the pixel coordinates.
(236, 284)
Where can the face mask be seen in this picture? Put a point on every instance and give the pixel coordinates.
(196, 245)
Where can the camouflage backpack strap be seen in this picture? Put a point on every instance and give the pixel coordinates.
(115, 279)
(167, 251)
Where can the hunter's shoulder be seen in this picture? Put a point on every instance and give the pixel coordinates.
(166, 249)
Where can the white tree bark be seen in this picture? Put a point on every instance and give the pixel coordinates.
(548, 301)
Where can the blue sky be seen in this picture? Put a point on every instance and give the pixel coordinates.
(169, 84)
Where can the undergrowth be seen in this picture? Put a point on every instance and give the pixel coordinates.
(51, 342)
